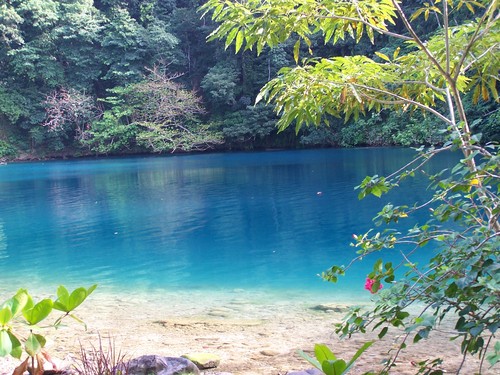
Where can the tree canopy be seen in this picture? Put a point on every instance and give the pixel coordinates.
(92, 48)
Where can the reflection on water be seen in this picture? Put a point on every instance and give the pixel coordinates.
(219, 221)
(3, 243)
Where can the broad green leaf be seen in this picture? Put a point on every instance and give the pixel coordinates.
(17, 303)
(32, 345)
(328, 368)
(231, 36)
(5, 343)
(334, 367)
(38, 312)
(376, 191)
(29, 303)
(340, 366)
(323, 353)
(67, 303)
(17, 349)
(239, 40)
(5, 316)
(77, 297)
(62, 298)
(91, 289)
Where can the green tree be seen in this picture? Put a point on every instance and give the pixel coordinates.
(9, 24)
(429, 71)
(220, 86)
(249, 128)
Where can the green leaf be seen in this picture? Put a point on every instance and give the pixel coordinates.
(382, 56)
(396, 53)
(231, 36)
(17, 348)
(323, 353)
(62, 299)
(32, 345)
(5, 343)
(17, 303)
(239, 40)
(5, 316)
(383, 332)
(377, 191)
(38, 312)
(296, 49)
(310, 359)
(66, 302)
(336, 367)
(77, 297)
(328, 368)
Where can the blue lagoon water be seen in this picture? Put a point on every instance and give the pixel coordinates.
(265, 221)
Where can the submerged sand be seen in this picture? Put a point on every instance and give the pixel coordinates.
(251, 332)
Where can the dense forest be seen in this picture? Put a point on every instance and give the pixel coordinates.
(105, 77)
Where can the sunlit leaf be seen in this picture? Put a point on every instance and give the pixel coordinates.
(296, 49)
(323, 353)
(32, 345)
(5, 315)
(17, 349)
(5, 343)
(239, 40)
(38, 312)
(382, 56)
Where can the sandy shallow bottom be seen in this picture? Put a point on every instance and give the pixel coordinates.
(252, 332)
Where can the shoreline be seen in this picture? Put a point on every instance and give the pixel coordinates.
(251, 336)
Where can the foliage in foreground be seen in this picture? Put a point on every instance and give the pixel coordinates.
(429, 74)
(20, 318)
(327, 362)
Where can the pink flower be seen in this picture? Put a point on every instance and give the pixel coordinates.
(369, 284)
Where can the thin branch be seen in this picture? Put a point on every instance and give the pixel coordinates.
(436, 14)
(473, 40)
(446, 36)
(417, 40)
(485, 349)
(366, 23)
(488, 50)
(406, 100)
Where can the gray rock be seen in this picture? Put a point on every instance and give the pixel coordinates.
(157, 365)
(269, 352)
(203, 360)
(330, 308)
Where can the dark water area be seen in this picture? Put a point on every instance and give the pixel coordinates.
(263, 221)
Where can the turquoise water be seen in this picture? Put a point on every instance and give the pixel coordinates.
(249, 221)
